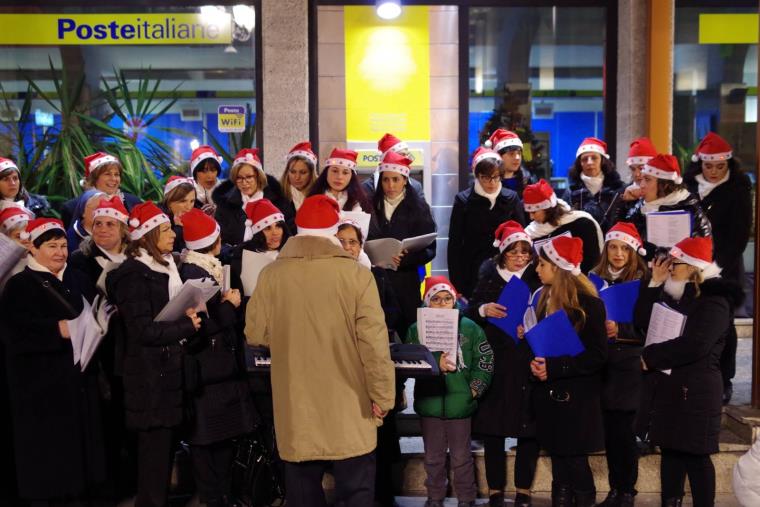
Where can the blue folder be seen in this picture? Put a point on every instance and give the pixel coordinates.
(620, 299)
(554, 336)
(598, 281)
(514, 298)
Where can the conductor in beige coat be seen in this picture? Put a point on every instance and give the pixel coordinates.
(319, 312)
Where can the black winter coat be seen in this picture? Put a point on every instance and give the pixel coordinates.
(471, 233)
(686, 405)
(222, 405)
(505, 408)
(585, 229)
(729, 209)
(568, 405)
(229, 209)
(56, 420)
(519, 181)
(700, 224)
(411, 218)
(152, 353)
(602, 205)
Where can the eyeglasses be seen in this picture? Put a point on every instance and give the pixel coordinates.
(518, 253)
(489, 179)
(349, 242)
(245, 179)
(442, 300)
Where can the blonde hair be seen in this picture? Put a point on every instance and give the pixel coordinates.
(635, 268)
(261, 178)
(285, 181)
(563, 295)
(92, 178)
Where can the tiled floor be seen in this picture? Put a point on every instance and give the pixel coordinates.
(649, 500)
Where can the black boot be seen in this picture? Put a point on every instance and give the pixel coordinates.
(612, 500)
(562, 496)
(496, 500)
(585, 498)
(522, 500)
(672, 502)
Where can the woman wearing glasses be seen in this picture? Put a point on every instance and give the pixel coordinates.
(248, 182)
(567, 395)
(504, 411)
(476, 214)
(686, 405)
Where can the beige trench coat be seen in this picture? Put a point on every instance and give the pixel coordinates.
(319, 312)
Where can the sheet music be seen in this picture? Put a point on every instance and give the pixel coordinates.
(438, 330)
(78, 329)
(193, 294)
(666, 228)
(10, 253)
(250, 269)
(101, 312)
(665, 324)
(226, 278)
(382, 251)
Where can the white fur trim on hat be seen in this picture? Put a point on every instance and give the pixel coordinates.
(38, 231)
(638, 160)
(264, 222)
(203, 156)
(688, 259)
(110, 213)
(144, 228)
(485, 156)
(591, 147)
(438, 288)
(177, 182)
(512, 238)
(560, 261)
(326, 232)
(663, 175)
(712, 157)
(105, 159)
(549, 203)
(305, 154)
(507, 142)
(250, 160)
(627, 239)
(8, 164)
(401, 145)
(341, 162)
(14, 221)
(204, 242)
(394, 168)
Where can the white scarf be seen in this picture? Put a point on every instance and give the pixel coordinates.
(298, 197)
(540, 230)
(669, 200)
(257, 196)
(175, 282)
(272, 254)
(705, 187)
(203, 195)
(482, 192)
(614, 273)
(507, 275)
(10, 203)
(342, 199)
(675, 289)
(390, 205)
(593, 183)
(207, 262)
(34, 265)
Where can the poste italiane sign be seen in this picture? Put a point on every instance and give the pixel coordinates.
(114, 29)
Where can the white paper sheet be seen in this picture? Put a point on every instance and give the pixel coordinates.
(10, 253)
(250, 269)
(226, 283)
(97, 328)
(194, 294)
(438, 330)
(666, 228)
(78, 329)
(382, 251)
(665, 324)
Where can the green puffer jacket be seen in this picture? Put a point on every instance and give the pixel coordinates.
(449, 396)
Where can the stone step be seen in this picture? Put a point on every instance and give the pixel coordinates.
(743, 327)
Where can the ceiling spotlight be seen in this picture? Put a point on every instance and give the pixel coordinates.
(388, 9)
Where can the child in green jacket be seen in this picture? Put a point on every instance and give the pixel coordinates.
(445, 404)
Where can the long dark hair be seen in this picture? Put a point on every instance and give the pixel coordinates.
(22, 194)
(734, 167)
(354, 190)
(258, 243)
(608, 169)
(410, 198)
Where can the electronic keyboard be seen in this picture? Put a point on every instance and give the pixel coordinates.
(409, 360)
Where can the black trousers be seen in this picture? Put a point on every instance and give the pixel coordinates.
(354, 482)
(674, 468)
(211, 470)
(154, 464)
(622, 452)
(728, 357)
(526, 457)
(387, 453)
(572, 472)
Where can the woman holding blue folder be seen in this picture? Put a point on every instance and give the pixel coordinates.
(504, 411)
(622, 262)
(567, 395)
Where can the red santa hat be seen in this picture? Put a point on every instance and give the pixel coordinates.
(200, 154)
(694, 251)
(510, 232)
(641, 151)
(98, 159)
(389, 142)
(7, 164)
(627, 233)
(175, 181)
(342, 158)
(482, 154)
(319, 215)
(260, 215)
(664, 167)
(501, 139)
(143, 218)
(199, 230)
(303, 150)
(539, 196)
(112, 208)
(592, 144)
(565, 252)
(248, 156)
(14, 216)
(712, 148)
(436, 284)
(395, 163)
(38, 226)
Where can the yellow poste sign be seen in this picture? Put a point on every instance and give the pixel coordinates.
(114, 29)
(728, 28)
(371, 158)
(387, 74)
